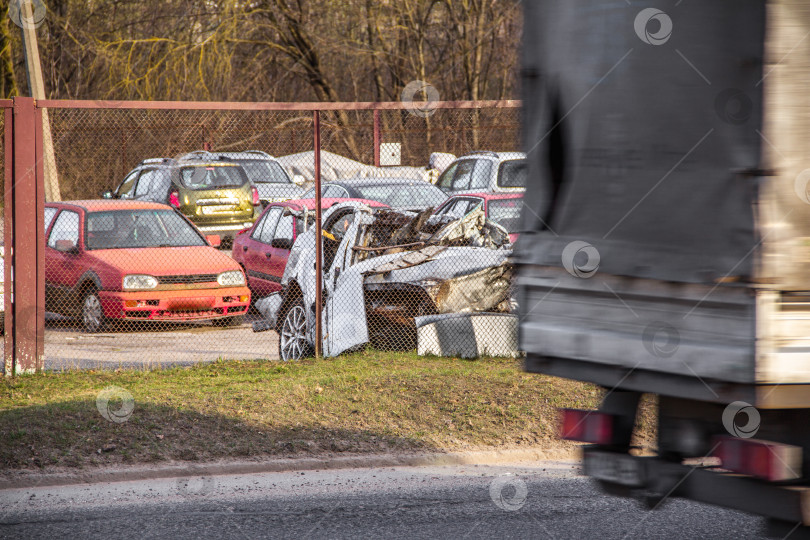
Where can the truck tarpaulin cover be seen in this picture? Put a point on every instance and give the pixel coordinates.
(632, 112)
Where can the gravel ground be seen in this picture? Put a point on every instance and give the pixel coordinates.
(151, 346)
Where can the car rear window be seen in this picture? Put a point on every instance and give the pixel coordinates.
(513, 174)
(505, 212)
(212, 177)
(265, 172)
(122, 229)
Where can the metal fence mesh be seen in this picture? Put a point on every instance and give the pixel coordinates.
(135, 275)
(457, 131)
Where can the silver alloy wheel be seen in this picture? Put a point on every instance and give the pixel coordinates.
(294, 334)
(92, 314)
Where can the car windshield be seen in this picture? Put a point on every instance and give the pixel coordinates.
(505, 212)
(513, 174)
(265, 172)
(459, 207)
(212, 177)
(416, 195)
(122, 229)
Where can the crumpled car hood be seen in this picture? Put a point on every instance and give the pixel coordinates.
(447, 263)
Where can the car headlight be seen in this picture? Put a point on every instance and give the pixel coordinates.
(231, 278)
(139, 281)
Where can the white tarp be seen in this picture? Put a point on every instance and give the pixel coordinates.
(334, 167)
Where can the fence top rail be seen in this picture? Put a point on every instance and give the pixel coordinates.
(267, 106)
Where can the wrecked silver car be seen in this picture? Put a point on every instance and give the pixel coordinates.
(383, 268)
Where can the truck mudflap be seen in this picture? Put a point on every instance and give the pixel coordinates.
(635, 476)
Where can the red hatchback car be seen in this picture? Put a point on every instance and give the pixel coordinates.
(502, 208)
(263, 249)
(134, 260)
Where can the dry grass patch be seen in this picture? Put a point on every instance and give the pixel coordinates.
(365, 402)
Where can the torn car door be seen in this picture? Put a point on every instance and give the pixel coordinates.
(345, 313)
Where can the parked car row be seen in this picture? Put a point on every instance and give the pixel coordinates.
(142, 253)
(223, 193)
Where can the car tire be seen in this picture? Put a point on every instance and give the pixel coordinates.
(293, 335)
(229, 321)
(92, 312)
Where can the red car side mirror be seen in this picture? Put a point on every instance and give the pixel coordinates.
(214, 240)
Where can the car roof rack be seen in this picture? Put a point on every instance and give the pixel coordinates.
(196, 154)
(157, 160)
(484, 153)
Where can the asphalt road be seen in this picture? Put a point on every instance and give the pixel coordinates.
(145, 345)
(548, 500)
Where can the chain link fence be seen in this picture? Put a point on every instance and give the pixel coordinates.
(187, 234)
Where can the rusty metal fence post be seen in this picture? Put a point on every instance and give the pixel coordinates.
(24, 263)
(8, 315)
(316, 123)
(377, 140)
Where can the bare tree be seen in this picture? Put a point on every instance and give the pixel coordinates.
(324, 50)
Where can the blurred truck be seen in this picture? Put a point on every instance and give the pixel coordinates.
(665, 242)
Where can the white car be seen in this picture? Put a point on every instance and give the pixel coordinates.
(485, 172)
(382, 270)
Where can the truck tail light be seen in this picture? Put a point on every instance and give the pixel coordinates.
(255, 193)
(586, 426)
(174, 199)
(767, 460)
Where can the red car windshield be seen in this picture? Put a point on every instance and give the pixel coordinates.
(123, 229)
